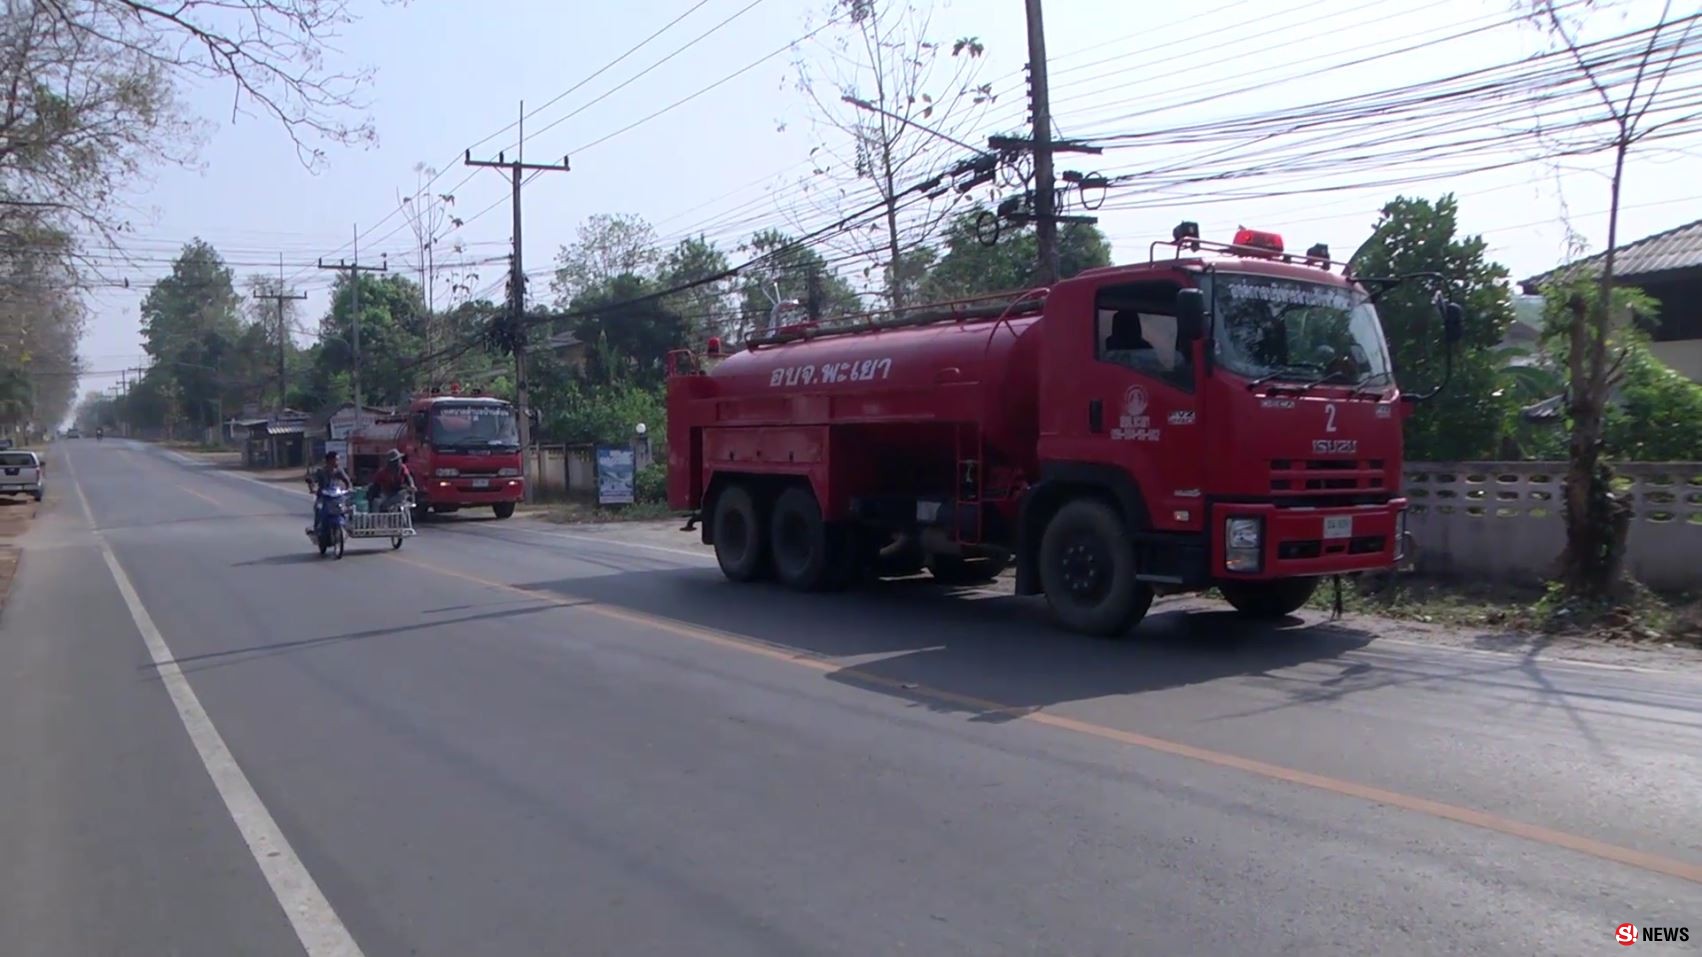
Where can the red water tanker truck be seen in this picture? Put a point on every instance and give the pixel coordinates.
(1222, 415)
(464, 451)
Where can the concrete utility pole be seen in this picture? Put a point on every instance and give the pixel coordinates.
(517, 292)
(355, 269)
(280, 297)
(1045, 185)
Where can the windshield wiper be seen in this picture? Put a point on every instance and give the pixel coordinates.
(1279, 373)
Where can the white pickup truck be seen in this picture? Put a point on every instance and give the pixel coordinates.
(21, 474)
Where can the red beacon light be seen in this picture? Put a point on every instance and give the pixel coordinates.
(1258, 239)
(713, 347)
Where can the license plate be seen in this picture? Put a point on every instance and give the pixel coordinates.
(481, 483)
(1338, 526)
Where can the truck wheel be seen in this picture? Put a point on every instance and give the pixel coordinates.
(1087, 570)
(803, 545)
(1269, 599)
(503, 509)
(955, 570)
(741, 547)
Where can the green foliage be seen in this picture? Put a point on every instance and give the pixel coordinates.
(1653, 414)
(651, 483)
(631, 328)
(607, 414)
(970, 268)
(1416, 235)
(1658, 415)
(791, 272)
(392, 325)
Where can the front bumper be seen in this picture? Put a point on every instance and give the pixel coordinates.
(1300, 542)
(466, 491)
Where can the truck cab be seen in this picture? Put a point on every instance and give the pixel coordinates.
(1238, 407)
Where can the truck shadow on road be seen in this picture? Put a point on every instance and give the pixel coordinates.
(991, 653)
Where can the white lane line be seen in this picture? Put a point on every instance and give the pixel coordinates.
(316, 924)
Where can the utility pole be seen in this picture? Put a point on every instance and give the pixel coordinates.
(280, 297)
(355, 269)
(1045, 186)
(517, 293)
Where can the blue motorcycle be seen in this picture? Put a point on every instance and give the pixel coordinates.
(331, 506)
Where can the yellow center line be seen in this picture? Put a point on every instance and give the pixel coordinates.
(203, 496)
(1642, 860)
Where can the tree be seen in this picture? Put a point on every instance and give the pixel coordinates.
(41, 320)
(1644, 425)
(630, 329)
(606, 246)
(969, 267)
(893, 107)
(391, 332)
(190, 328)
(708, 308)
(789, 271)
(1416, 235)
(1597, 520)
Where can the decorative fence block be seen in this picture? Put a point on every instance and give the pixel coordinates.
(1504, 520)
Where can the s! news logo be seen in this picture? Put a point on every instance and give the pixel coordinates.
(1627, 934)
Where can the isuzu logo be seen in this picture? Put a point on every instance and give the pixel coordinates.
(1335, 446)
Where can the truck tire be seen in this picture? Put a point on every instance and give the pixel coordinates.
(1087, 570)
(741, 542)
(954, 570)
(805, 549)
(1269, 600)
(503, 509)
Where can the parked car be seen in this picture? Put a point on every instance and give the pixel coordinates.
(73, 434)
(21, 473)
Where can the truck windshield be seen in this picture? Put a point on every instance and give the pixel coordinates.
(474, 426)
(1290, 330)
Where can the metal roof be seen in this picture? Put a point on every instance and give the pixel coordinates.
(1675, 250)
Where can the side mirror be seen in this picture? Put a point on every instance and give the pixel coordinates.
(420, 424)
(1190, 315)
(1453, 323)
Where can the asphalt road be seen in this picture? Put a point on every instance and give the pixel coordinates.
(512, 739)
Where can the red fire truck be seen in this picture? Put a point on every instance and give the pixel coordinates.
(1221, 415)
(464, 451)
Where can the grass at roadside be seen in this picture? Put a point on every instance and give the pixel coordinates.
(1643, 617)
(584, 513)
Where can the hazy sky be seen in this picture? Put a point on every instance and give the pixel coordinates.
(451, 74)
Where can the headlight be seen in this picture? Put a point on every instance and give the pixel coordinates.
(1243, 538)
(448, 473)
(505, 473)
(1243, 533)
(1401, 535)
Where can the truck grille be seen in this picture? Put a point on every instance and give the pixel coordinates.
(1318, 477)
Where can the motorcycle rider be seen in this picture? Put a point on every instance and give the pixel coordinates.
(331, 471)
(390, 481)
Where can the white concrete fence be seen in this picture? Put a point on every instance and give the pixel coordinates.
(1503, 520)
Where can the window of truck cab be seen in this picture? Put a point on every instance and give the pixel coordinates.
(1135, 327)
(1294, 330)
(474, 426)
